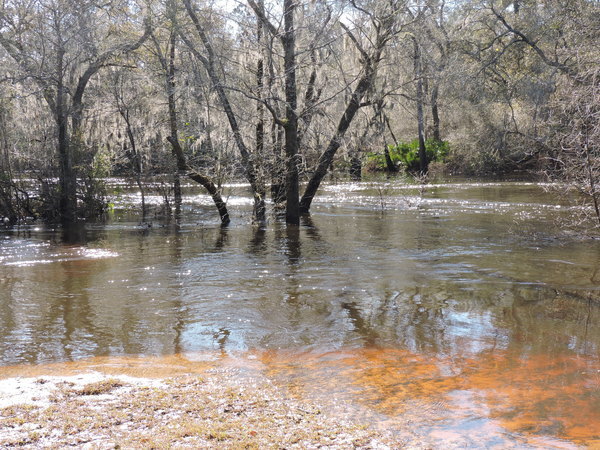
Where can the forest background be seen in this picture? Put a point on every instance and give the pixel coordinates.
(281, 93)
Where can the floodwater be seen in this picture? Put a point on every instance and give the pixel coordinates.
(459, 309)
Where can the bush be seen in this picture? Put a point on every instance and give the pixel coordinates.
(406, 154)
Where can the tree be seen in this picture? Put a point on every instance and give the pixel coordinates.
(385, 24)
(167, 62)
(420, 99)
(127, 104)
(577, 158)
(61, 45)
(279, 96)
(210, 64)
(290, 123)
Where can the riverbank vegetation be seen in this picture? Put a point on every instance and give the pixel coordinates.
(405, 156)
(281, 93)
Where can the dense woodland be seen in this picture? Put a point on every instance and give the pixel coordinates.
(280, 93)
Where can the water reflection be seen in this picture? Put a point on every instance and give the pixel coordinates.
(221, 240)
(292, 245)
(346, 279)
(258, 242)
(360, 325)
(310, 228)
(75, 234)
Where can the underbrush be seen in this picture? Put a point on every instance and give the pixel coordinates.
(405, 155)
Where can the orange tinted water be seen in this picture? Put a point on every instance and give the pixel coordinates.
(531, 397)
(497, 399)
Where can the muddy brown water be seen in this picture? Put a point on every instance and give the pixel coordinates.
(461, 309)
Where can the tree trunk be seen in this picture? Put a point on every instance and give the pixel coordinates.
(9, 203)
(389, 164)
(67, 177)
(203, 180)
(369, 70)
(260, 113)
(258, 189)
(260, 109)
(277, 169)
(173, 117)
(326, 158)
(173, 139)
(435, 115)
(292, 211)
(311, 97)
(355, 167)
(136, 160)
(391, 167)
(177, 195)
(423, 163)
(592, 183)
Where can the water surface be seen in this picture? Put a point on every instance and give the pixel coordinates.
(460, 306)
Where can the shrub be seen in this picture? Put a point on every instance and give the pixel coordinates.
(406, 154)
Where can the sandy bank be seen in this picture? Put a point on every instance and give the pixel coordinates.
(215, 409)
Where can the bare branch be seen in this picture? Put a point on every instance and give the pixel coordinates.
(260, 13)
(355, 41)
(560, 66)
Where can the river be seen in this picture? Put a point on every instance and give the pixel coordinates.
(462, 308)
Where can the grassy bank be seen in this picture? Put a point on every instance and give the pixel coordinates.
(211, 410)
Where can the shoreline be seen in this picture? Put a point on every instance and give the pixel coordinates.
(254, 400)
(213, 408)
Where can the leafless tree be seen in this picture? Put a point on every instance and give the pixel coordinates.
(383, 24)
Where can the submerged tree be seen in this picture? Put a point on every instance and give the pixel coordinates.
(128, 105)
(210, 63)
(383, 24)
(295, 90)
(166, 58)
(578, 157)
(287, 37)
